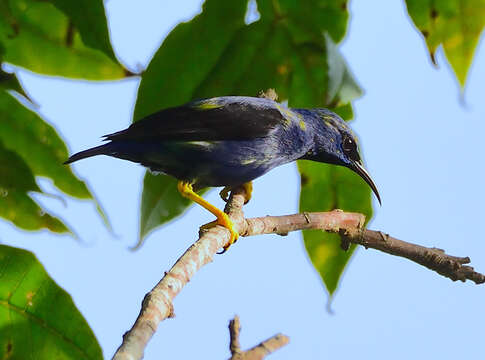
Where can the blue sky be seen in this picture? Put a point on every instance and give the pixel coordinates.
(423, 147)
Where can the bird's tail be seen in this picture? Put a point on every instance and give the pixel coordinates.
(98, 150)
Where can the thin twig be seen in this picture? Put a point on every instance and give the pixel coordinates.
(234, 330)
(452, 267)
(157, 304)
(259, 351)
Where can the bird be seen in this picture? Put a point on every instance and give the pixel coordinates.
(229, 141)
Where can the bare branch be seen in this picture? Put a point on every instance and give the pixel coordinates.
(332, 221)
(157, 304)
(258, 352)
(435, 259)
(234, 330)
(349, 226)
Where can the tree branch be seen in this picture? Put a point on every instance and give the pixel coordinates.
(258, 352)
(435, 259)
(349, 226)
(157, 304)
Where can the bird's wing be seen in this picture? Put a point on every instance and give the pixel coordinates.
(223, 118)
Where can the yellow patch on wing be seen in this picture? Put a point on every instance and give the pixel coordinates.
(200, 143)
(302, 125)
(329, 121)
(287, 114)
(207, 105)
(248, 161)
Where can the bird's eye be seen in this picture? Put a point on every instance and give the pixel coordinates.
(350, 148)
(348, 144)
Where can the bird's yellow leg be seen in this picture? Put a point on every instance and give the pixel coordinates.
(185, 189)
(248, 187)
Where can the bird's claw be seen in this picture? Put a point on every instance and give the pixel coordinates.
(228, 224)
(248, 188)
(224, 193)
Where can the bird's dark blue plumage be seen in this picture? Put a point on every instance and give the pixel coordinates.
(231, 140)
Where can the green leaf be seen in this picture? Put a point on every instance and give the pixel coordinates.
(38, 36)
(89, 18)
(9, 81)
(31, 147)
(342, 87)
(308, 20)
(16, 206)
(217, 54)
(277, 54)
(258, 55)
(326, 187)
(345, 111)
(323, 188)
(454, 24)
(24, 132)
(38, 319)
(187, 55)
(16, 174)
(160, 203)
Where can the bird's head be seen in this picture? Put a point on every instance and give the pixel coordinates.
(335, 143)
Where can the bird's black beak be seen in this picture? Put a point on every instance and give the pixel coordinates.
(358, 167)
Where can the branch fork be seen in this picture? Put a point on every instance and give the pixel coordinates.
(158, 305)
(257, 352)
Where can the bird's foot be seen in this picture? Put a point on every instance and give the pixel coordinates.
(248, 188)
(186, 190)
(223, 220)
(224, 193)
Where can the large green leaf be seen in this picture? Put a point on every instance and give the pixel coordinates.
(160, 202)
(326, 187)
(308, 20)
(38, 319)
(17, 180)
(187, 55)
(38, 36)
(259, 55)
(454, 24)
(342, 88)
(217, 54)
(31, 147)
